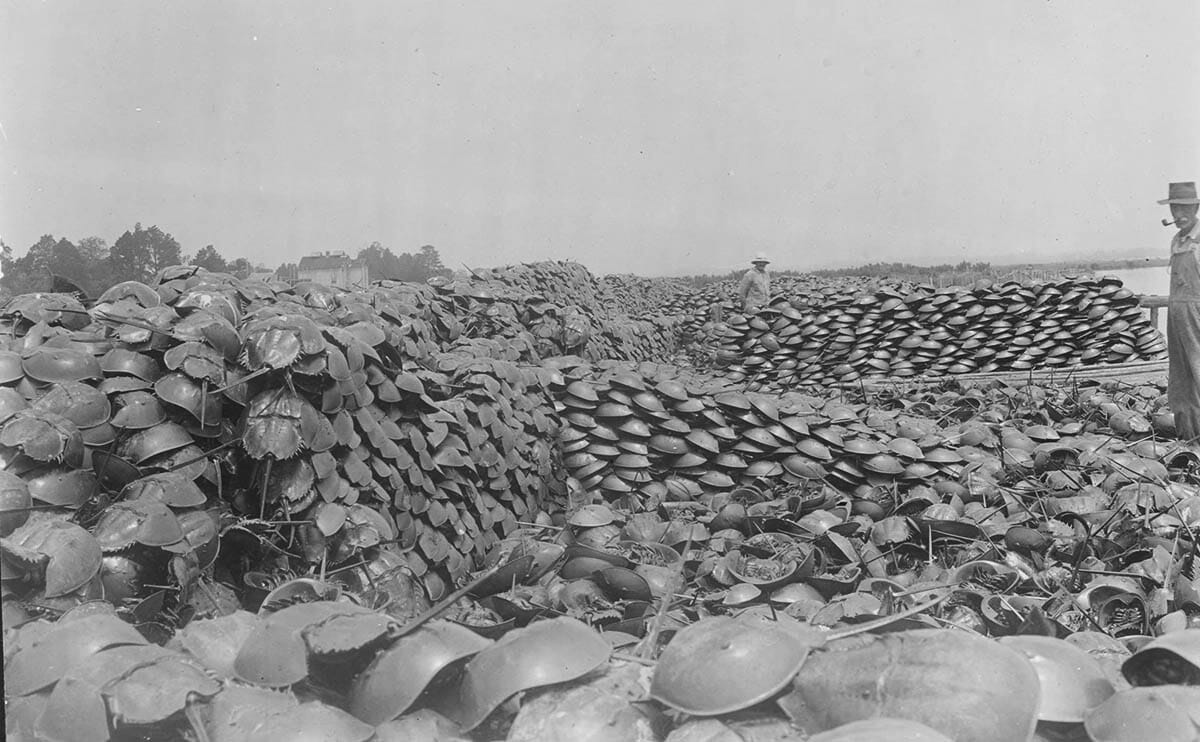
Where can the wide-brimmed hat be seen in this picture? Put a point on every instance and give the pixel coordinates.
(1181, 193)
(760, 258)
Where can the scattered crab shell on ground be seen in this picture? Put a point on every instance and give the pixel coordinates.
(1164, 713)
(1173, 658)
(147, 521)
(76, 710)
(45, 662)
(545, 652)
(44, 436)
(71, 555)
(401, 672)
(1072, 681)
(719, 665)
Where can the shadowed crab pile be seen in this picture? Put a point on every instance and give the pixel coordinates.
(227, 509)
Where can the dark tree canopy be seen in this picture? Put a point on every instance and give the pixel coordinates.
(47, 257)
(384, 264)
(208, 258)
(139, 254)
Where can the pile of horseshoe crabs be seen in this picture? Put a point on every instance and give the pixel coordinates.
(530, 505)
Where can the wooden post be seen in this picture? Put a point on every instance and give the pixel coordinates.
(1153, 303)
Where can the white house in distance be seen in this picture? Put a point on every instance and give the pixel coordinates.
(333, 268)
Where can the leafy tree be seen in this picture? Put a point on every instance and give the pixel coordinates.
(66, 260)
(241, 268)
(94, 249)
(433, 262)
(138, 255)
(382, 263)
(30, 272)
(207, 257)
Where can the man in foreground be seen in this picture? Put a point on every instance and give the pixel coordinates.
(755, 289)
(1183, 312)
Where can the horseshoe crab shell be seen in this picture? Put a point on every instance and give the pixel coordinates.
(73, 554)
(170, 488)
(719, 665)
(1072, 681)
(14, 497)
(400, 673)
(545, 652)
(84, 405)
(1173, 657)
(66, 644)
(150, 442)
(122, 361)
(51, 365)
(75, 711)
(138, 410)
(44, 436)
(147, 521)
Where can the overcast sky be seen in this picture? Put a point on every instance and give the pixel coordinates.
(658, 137)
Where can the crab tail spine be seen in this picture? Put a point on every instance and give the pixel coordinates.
(262, 495)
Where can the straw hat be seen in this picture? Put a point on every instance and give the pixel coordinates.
(760, 258)
(1181, 193)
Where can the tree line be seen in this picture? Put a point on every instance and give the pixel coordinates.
(385, 265)
(91, 265)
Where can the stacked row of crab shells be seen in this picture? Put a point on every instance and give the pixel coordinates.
(641, 434)
(570, 311)
(1003, 327)
(805, 292)
(367, 422)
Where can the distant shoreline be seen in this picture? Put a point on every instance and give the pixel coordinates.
(1091, 265)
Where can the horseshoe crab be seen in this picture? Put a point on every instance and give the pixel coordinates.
(719, 665)
(138, 410)
(76, 710)
(199, 361)
(278, 342)
(545, 652)
(122, 361)
(1072, 681)
(156, 691)
(146, 444)
(1173, 657)
(84, 405)
(68, 557)
(44, 663)
(168, 488)
(62, 485)
(275, 653)
(50, 365)
(44, 436)
(134, 291)
(15, 501)
(182, 391)
(272, 424)
(147, 521)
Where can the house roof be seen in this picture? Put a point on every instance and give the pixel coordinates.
(323, 262)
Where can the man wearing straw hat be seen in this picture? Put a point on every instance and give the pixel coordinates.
(1183, 312)
(755, 289)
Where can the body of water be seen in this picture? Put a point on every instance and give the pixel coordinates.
(1156, 280)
